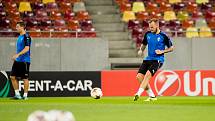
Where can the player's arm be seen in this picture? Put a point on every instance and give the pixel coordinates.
(169, 45)
(170, 49)
(141, 50)
(27, 41)
(25, 50)
(143, 45)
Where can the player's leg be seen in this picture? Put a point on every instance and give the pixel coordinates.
(155, 65)
(26, 86)
(14, 81)
(25, 76)
(140, 77)
(151, 94)
(16, 87)
(149, 91)
(144, 83)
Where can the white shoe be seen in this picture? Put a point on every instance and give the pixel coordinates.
(151, 99)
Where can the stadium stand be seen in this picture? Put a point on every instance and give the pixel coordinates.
(180, 18)
(47, 18)
(42, 14)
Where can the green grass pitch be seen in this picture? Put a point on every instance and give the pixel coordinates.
(114, 108)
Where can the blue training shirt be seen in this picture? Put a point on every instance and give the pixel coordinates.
(22, 41)
(156, 42)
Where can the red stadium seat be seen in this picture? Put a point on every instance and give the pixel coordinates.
(162, 23)
(31, 23)
(59, 23)
(151, 6)
(38, 6)
(173, 25)
(42, 15)
(145, 24)
(143, 15)
(211, 24)
(86, 25)
(1, 7)
(51, 7)
(206, 7)
(68, 15)
(73, 25)
(133, 24)
(165, 7)
(65, 6)
(4, 23)
(11, 6)
(3, 15)
(136, 32)
(45, 24)
(196, 14)
(155, 14)
(138, 40)
(34, 1)
(209, 15)
(179, 6)
(7, 1)
(28, 14)
(125, 7)
(187, 23)
(14, 15)
(161, 1)
(55, 15)
(82, 15)
(60, 29)
(192, 7)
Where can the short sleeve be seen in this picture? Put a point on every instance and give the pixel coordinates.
(145, 42)
(167, 41)
(27, 40)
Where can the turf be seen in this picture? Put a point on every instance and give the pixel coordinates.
(114, 108)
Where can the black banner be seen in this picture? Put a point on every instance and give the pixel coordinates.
(60, 84)
(5, 84)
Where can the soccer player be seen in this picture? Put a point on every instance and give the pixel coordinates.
(20, 68)
(157, 42)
